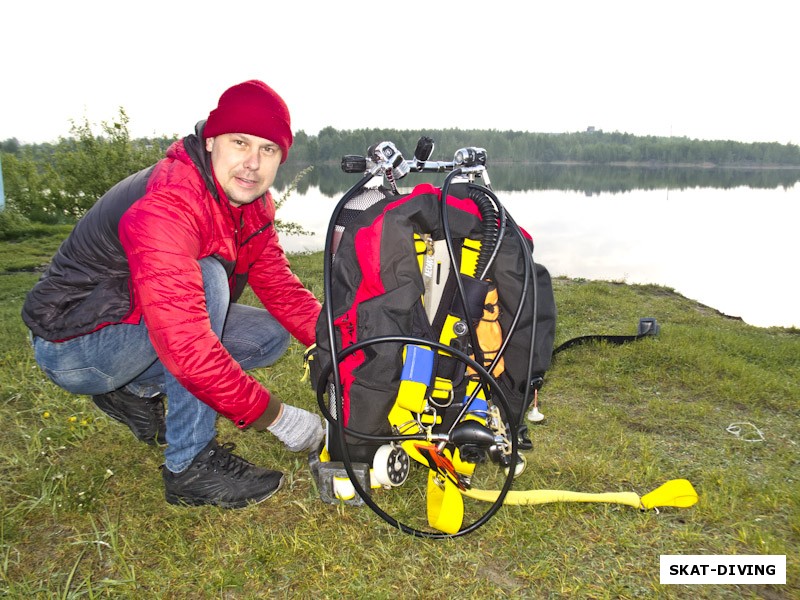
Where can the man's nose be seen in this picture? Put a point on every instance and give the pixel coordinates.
(252, 161)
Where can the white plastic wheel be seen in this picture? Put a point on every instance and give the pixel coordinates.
(519, 467)
(391, 465)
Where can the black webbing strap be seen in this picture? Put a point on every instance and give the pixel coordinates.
(647, 327)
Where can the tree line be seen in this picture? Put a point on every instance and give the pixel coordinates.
(58, 182)
(592, 147)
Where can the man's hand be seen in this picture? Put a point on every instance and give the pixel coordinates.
(298, 429)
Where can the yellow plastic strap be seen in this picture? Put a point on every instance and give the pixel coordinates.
(448, 334)
(410, 446)
(411, 396)
(445, 505)
(308, 356)
(442, 391)
(427, 419)
(470, 252)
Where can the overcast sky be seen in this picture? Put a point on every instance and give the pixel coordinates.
(707, 70)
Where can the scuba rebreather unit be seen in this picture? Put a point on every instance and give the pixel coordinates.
(436, 332)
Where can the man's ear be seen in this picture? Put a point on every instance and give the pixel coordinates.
(209, 144)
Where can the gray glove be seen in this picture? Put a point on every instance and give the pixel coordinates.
(298, 429)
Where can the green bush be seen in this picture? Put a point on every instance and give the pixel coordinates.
(58, 184)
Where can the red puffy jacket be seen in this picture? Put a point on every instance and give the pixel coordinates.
(163, 234)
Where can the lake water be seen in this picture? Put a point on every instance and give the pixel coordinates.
(733, 249)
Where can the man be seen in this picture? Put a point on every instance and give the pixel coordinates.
(140, 300)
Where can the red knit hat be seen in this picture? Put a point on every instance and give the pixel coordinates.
(254, 108)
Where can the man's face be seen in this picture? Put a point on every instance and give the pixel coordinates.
(245, 165)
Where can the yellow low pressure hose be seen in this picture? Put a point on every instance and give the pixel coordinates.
(677, 493)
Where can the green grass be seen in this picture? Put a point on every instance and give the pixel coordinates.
(83, 513)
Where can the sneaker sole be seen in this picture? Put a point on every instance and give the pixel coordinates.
(178, 500)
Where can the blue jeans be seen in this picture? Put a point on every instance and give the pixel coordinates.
(122, 355)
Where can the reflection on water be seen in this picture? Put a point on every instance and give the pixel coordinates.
(732, 249)
(591, 179)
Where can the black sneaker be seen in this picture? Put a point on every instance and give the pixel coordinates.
(219, 477)
(144, 416)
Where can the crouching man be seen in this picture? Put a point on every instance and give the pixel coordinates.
(140, 301)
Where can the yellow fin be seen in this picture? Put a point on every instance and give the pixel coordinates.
(676, 492)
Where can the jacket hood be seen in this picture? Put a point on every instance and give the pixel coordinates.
(195, 148)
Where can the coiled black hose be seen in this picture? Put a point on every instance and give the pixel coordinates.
(490, 230)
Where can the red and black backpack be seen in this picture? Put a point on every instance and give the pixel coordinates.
(377, 290)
